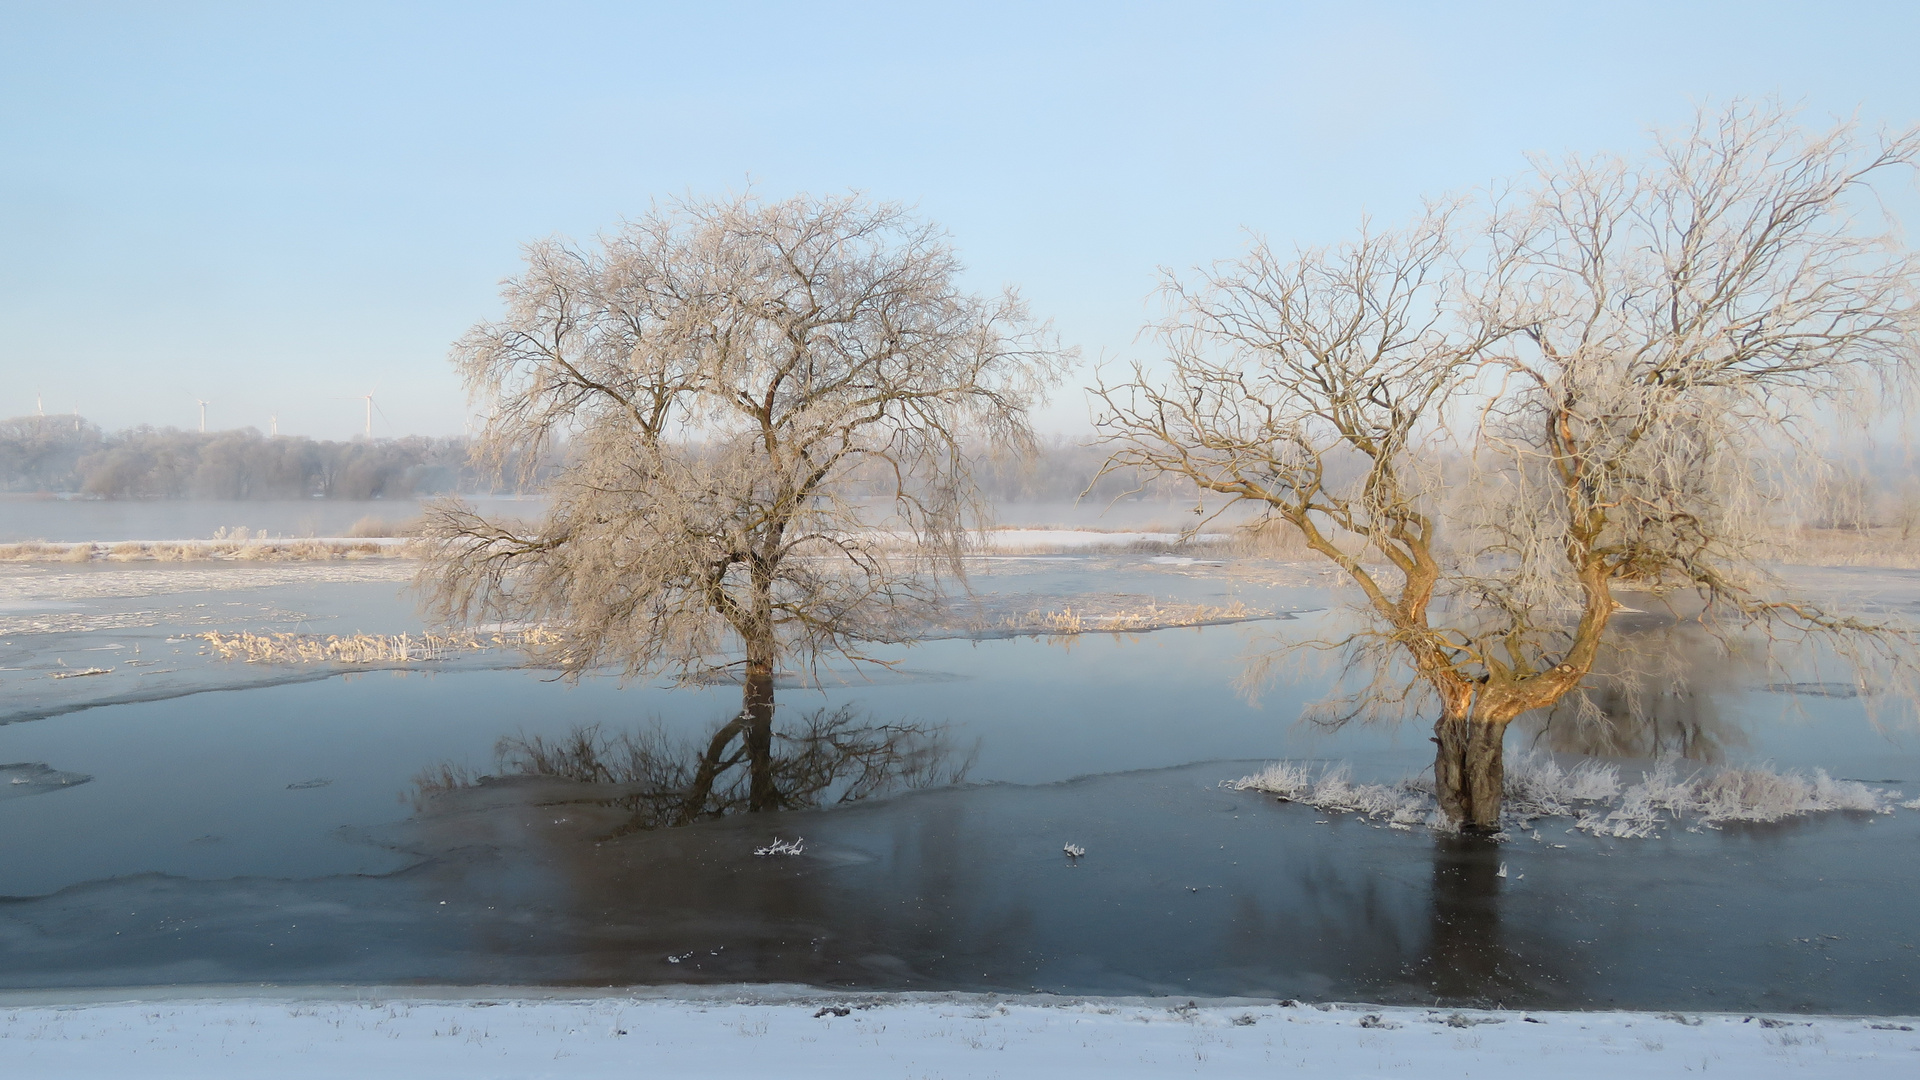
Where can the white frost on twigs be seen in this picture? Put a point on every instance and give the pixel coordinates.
(1074, 851)
(1331, 788)
(783, 847)
(1715, 797)
(1590, 792)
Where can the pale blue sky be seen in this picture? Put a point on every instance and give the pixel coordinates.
(279, 208)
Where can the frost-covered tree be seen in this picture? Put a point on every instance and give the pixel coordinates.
(768, 409)
(1494, 419)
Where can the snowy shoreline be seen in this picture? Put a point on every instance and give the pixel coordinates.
(803, 1031)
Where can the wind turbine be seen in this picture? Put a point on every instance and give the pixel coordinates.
(273, 424)
(203, 416)
(371, 409)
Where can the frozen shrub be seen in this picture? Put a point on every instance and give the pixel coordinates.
(1758, 795)
(1290, 780)
(1591, 793)
(1751, 795)
(1536, 785)
(1332, 789)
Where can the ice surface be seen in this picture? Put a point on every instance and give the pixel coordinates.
(33, 778)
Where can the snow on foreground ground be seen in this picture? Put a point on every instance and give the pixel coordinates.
(805, 1035)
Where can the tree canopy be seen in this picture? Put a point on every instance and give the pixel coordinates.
(1497, 417)
(770, 408)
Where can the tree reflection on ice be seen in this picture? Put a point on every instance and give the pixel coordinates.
(1652, 694)
(1467, 960)
(829, 758)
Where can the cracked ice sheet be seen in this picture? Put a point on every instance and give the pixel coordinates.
(756, 1032)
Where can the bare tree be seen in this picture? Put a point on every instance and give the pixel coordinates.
(1905, 500)
(1843, 496)
(1492, 420)
(768, 408)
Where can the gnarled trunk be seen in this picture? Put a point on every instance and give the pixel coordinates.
(1468, 771)
(756, 717)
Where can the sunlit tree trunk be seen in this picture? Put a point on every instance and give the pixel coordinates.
(1469, 770)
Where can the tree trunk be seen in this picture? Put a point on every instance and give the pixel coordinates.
(1469, 772)
(756, 715)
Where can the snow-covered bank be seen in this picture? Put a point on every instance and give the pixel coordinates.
(759, 1032)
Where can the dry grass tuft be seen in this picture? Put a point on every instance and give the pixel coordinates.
(1270, 539)
(367, 648)
(374, 527)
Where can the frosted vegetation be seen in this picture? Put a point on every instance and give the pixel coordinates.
(231, 548)
(1591, 793)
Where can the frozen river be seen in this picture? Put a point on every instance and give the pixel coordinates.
(261, 823)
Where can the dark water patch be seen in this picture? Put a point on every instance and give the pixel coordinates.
(1183, 889)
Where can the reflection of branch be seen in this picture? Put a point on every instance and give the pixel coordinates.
(830, 758)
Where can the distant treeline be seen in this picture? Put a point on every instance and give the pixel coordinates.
(70, 455)
(67, 454)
